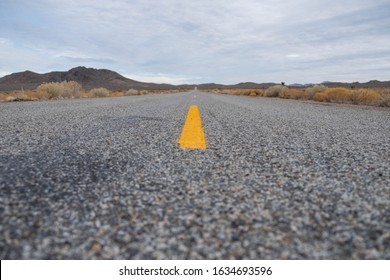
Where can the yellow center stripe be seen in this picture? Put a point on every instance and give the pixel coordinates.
(192, 135)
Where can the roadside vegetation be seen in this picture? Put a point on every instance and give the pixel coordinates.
(320, 93)
(70, 90)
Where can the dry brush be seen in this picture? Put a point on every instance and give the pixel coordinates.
(319, 93)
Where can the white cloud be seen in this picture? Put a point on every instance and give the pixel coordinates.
(2, 74)
(220, 41)
(293, 55)
(4, 42)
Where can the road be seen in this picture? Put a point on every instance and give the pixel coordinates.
(280, 179)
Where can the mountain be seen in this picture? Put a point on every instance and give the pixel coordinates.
(250, 85)
(88, 77)
(247, 85)
(298, 85)
(369, 84)
(93, 78)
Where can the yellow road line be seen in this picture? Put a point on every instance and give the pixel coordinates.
(192, 135)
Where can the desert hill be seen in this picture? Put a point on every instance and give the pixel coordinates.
(88, 77)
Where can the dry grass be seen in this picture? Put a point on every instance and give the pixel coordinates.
(276, 91)
(384, 100)
(344, 95)
(319, 93)
(311, 91)
(132, 92)
(27, 95)
(294, 94)
(339, 95)
(60, 90)
(365, 96)
(117, 93)
(320, 97)
(67, 90)
(373, 97)
(246, 92)
(99, 92)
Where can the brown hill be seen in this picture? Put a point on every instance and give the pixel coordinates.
(88, 77)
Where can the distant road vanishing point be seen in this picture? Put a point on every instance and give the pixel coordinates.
(279, 179)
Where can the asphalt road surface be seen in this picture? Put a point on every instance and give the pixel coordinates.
(280, 179)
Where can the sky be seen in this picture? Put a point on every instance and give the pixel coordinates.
(202, 41)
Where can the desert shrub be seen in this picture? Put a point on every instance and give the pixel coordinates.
(35, 95)
(132, 92)
(339, 95)
(385, 91)
(21, 96)
(384, 101)
(344, 95)
(275, 91)
(60, 90)
(27, 95)
(16, 96)
(253, 92)
(7, 96)
(70, 89)
(311, 91)
(229, 91)
(258, 91)
(321, 97)
(336, 95)
(100, 92)
(52, 90)
(365, 96)
(285, 94)
(293, 94)
(245, 92)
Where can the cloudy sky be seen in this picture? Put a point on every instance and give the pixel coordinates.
(188, 41)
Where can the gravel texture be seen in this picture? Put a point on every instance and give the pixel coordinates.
(281, 179)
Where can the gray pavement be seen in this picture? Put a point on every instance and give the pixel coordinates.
(281, 179)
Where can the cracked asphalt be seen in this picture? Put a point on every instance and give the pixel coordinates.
(280, 179)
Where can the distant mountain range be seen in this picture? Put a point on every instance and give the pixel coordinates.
(370, 84)
(93, 78)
